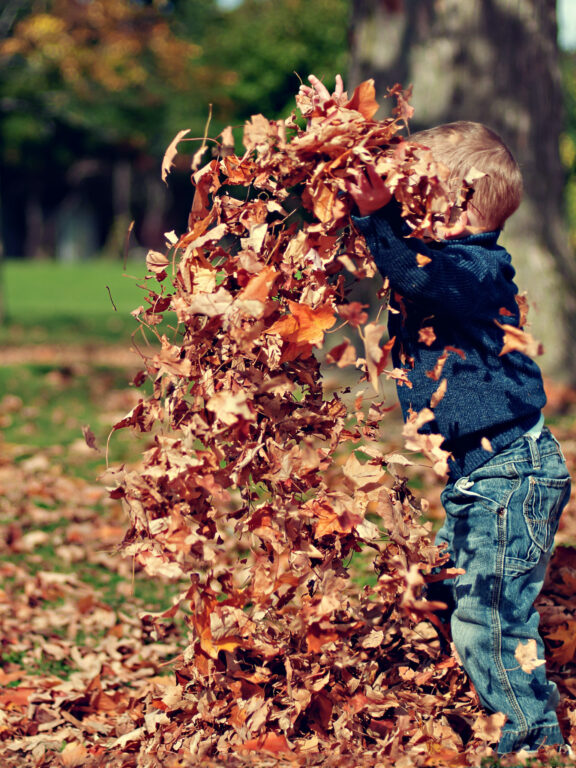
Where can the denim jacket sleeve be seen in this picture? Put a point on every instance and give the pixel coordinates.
(455, 275)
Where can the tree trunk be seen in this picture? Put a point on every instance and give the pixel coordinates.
(496, 62)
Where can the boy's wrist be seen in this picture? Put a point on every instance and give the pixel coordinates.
(368, 210)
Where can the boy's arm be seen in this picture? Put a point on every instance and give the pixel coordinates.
(454, 283)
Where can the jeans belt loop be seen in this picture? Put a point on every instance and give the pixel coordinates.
(534, 452)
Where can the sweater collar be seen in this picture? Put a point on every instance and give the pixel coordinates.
(486, 239)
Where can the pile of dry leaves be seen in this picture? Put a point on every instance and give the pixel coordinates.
(261, 490)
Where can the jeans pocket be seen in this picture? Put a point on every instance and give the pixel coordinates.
(491, 493)
(543, 506)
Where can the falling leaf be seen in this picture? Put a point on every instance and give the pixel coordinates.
(376, 356)
(90, 438)
(171, 152)
(517, 340)
(439, 393)
(364, 99)
(526, 654)
(304, 325)
(354, 313)
(427, 336)
(156, 262)
(344, 354)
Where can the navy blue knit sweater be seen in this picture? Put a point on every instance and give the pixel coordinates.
(465, 287)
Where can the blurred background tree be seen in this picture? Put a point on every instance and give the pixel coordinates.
(92, 91)
(87, 99)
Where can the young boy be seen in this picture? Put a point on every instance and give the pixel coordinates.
(508, 481)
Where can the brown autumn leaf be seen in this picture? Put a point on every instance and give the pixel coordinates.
(489, 727)
(428, 444)
(427, 335)
(565, 635)
(171, 152)
(364, 100)
(403, 110)
(376, 355)
(354, 313)
(304, 325)
(90, 438)
(270, 741)
(344, 354)
(518, 340)
(74, 754)
(526, 654)
(439, 393)
(156, 262)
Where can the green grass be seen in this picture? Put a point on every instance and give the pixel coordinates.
(45, 409)
(67, 303)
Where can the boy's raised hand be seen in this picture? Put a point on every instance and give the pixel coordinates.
(319, 94)
(369, 191)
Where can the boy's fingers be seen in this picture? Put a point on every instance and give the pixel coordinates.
(373, 175)
(321, 91)
(339, 86)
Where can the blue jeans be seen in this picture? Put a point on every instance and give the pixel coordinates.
(500, 525)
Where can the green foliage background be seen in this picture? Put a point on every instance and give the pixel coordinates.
(242, 61)
(109, 81)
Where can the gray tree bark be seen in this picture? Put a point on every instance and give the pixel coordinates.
(496, 62)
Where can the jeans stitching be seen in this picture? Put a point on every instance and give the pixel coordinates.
(535, 455)
(499, 582)
(540, 728)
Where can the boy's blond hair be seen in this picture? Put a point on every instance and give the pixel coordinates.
(463, 146)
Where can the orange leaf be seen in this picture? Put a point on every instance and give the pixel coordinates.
(427, 335)
(305, 325)
(316, 638)
(515, 339)
(330, 520)
(267, 742)
(326, 203)
(15, 698)
(364, 99)
(260, 286)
